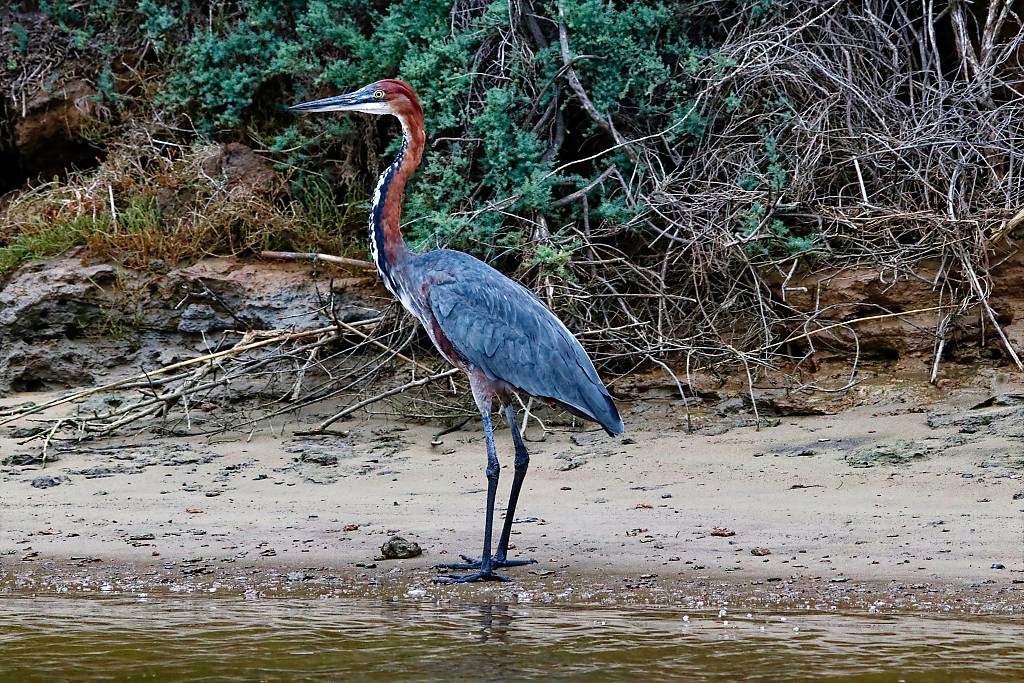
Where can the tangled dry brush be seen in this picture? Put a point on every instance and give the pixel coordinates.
(886, 148)
(834, 135)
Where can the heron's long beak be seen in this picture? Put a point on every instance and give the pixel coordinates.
(347, 102)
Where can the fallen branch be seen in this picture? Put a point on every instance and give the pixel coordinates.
(380, 344)
(983, 299)
(234, 350)
(379, 397)
(826, 328)
(326, 258)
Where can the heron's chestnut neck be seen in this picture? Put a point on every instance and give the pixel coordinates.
(386, 243)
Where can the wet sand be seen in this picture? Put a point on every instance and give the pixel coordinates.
(871, 508)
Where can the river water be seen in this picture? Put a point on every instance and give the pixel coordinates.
(47, 638)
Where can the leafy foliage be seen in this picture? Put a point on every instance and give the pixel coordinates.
(504, 119)
(633, 58)
(659, 157)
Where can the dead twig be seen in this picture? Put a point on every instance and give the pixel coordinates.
(315, 257)
(380, 397)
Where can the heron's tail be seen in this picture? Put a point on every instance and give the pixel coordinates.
(599, 407)
(608, 415)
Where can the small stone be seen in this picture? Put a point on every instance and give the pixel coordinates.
(27, 459)
(48, 481)
(320, 458)
(998, 565)
(722, 531)
(397, 548)
(760, 552)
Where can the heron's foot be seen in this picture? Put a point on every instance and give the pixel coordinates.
(483, 575)
(496, 563)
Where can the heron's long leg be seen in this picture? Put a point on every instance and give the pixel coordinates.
(522, 463)
(486, 572)
(493, 470)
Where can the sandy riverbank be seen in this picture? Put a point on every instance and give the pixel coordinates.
(880, 500)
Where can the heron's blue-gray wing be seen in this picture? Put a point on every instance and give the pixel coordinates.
(502, 329)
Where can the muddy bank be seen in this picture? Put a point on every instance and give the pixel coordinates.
(894, 491)
(70, 322)
(888, 501)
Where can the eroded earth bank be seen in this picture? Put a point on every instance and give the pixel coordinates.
(895, 494)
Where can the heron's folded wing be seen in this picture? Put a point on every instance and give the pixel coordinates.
(506, 332)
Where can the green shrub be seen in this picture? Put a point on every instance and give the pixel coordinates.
(483, 81)
(711, 138)
(635, 69)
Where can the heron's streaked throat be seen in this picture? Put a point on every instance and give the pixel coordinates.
(386, 243)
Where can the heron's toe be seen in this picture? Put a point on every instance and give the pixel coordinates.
(496, 563)
(467, 563)
(514, 563)
(459, 566)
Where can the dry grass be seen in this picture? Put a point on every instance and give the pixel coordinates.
(153, 199)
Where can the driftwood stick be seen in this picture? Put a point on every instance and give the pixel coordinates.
(382, 345)
(326, 258)
(1008, 227)
(234, 350)
(983, 299)
(49, 437)
(379, 397)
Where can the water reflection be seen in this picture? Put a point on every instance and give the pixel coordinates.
(495, 622)
(227, 639)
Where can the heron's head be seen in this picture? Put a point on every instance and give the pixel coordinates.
(381, 97)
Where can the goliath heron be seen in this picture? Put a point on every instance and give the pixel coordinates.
(482, 322)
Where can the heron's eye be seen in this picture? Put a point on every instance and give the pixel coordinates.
(379, 94)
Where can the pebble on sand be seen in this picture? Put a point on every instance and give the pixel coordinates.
(48, 481)
(397, 548)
